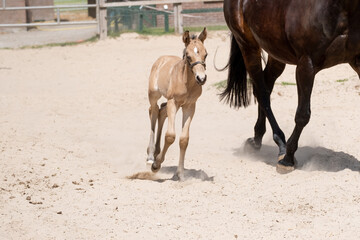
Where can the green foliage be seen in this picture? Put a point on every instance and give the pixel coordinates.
(157, 31)
(209, 28)
(161, 31)
(342, 80)
(288, 84)
(220, 85)
(66, 2)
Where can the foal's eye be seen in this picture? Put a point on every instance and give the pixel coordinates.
(205, 56)
(188, 58)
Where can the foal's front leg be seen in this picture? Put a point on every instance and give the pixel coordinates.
(171, 110)
(188, 114)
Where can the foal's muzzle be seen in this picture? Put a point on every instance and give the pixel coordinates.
(201, 80)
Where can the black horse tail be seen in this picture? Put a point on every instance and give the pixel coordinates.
(236, 91)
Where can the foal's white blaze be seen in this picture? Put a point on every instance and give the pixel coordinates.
(196, 50)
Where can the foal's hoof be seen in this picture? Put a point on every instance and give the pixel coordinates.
(252, 144)
(178, 177)
(284, 167)
(150, 160)
(149, 163)
(155, 168)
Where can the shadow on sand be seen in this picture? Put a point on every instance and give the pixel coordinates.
(308, 158)
(188, 175)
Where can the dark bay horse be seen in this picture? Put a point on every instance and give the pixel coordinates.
(311, 34)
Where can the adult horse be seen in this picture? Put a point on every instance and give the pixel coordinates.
(311, 34)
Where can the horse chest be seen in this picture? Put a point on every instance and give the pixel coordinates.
(187, 95)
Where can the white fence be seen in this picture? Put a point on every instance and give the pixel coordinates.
(5, 7)
(101, 12)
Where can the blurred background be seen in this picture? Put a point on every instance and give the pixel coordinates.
(81, 20)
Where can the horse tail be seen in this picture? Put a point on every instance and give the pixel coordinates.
(236, 91)
(216, 68)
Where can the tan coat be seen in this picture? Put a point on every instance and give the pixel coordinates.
(180, 82)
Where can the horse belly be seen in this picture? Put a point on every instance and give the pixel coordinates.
(280, 51)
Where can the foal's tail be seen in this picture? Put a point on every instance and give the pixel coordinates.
(236, 92)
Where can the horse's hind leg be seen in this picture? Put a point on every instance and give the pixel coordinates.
(252, 59)
(153, 114)
(305, 75)
(272, 71)
(161, 120)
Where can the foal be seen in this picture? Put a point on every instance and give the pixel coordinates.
(179, 81)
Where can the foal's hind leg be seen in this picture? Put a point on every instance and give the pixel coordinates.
(272, 71)
(153, 114)
(161, 120)
(171, 110)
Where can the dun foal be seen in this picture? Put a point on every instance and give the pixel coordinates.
(179, 81)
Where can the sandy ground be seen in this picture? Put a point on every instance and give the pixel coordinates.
(74, 125)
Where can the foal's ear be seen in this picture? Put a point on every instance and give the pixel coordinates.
(186, 38)
(203, 35)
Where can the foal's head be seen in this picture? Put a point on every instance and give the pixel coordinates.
(195, 55)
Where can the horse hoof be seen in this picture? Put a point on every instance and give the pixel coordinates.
(251, 143)
(283, 167)
(155, 168)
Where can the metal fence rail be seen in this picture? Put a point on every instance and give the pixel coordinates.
(55, 7)
(101, 12)
(72, 2)
(177, 12)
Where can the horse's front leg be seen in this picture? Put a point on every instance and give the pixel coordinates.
(188, 114)
(305, 75)
(171, 110)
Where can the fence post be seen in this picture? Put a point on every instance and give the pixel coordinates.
(102, 20)
(141, 22)
(180, 21)
(178, 18)
(98, 16)
(166, 22)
